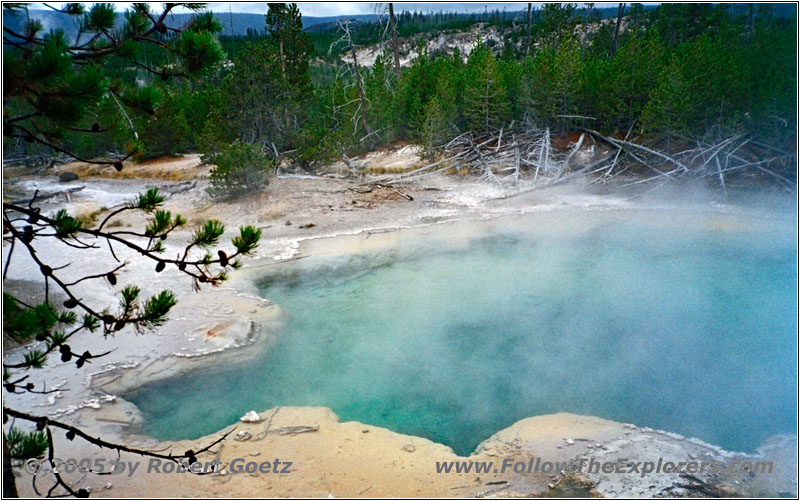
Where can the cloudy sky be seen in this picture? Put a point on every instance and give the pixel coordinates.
(343, 8)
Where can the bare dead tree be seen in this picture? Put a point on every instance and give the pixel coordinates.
(620, 12)
(530, 22)
(347, 40)
(395, 48)
(531, 155)
(544, 154)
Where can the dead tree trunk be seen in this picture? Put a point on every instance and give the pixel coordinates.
(530, 21)
(614, 40)
(361, 96)
(9, 481)
(347, 40)
(544, 155)
(517, 158)
(395, 48)
(279, 31)
(565, 164)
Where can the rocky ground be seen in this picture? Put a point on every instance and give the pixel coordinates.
(329, 458)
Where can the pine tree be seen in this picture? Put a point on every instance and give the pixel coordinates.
(557, 22)
(512, 81)
(566, 71)
(437, 123)
(285, 28)
(486, 105)
(669, 107)
(53, 85)
(255, 96)
(25, 227)
(434, 129)
(379, 85)
(417, 86)
(52, 88)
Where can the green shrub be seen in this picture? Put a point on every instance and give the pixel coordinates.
(239, 168)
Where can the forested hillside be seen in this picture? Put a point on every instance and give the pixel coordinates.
(668, 76)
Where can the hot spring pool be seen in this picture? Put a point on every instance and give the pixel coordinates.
(679, 321)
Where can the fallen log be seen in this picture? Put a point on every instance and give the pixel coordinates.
(621, 143)
(39, 197)
(180, 188)
(294, 430)
(721, 175)
(565, 164)
(404, 195)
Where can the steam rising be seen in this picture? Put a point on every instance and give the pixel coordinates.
(680, 320)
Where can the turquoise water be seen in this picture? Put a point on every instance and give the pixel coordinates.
(688, 326)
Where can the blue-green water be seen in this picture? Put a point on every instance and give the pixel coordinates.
(688, 327)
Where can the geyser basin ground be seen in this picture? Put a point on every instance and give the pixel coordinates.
(677, 320)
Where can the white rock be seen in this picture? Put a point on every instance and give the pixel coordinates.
(242, 436)
(569, 441)
(251, 417)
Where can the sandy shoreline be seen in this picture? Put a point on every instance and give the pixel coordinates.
(338, 459)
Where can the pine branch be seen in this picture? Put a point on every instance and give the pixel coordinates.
(74, 431)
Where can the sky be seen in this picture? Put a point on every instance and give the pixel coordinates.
(347, 8)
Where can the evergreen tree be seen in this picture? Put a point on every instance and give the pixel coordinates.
(417, 85)
(379, 85)
(557, 22)
(54, 91)
(633, 73)
(512, 81)
(53, 86)
(435, 128)
(437, 123)
(285, 28)
(167, 131)
(566, 72)
(668, 108)
(679, 22)
(256, 94)
(486, 105)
